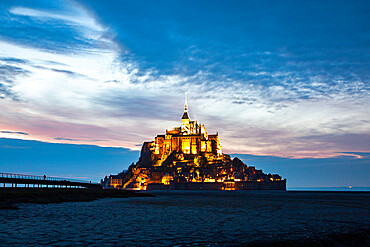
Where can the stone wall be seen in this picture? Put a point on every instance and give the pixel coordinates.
(242, 185)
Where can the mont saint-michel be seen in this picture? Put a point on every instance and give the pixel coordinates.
(189, 158)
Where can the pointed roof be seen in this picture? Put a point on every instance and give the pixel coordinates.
(185, 116)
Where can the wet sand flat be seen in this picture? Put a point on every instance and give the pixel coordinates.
(194, 218)
(10, 197)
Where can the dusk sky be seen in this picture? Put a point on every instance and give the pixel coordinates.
(285, 84)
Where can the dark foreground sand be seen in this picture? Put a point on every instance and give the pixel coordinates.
(190, 218)
(9, 197)
(359, 238)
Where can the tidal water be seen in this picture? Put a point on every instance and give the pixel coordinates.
(183, 218)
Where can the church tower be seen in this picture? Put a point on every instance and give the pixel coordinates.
(185, 120)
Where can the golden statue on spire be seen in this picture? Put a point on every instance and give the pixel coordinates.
(186, 101)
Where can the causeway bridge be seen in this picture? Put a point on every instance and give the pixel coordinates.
(33, 181)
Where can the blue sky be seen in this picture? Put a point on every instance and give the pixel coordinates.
(280, 79)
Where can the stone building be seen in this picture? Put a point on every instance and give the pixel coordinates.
(187, 157)
(190, 137)
(115, 181)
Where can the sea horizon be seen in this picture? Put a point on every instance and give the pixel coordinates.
(331, 189)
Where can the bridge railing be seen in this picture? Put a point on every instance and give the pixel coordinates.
(37, 177)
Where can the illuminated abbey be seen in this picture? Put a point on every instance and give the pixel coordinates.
(190, 138)
(187, 157)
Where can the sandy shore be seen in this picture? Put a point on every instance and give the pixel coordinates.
(9, 197)
(196, 218)
(349, 239)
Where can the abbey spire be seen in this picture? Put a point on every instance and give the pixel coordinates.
(185, 115)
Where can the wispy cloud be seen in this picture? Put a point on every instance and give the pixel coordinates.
(67, 72)
(8, 74)
(76, 140)
(78, 16)
(65, 139)
(82, 73)
(14, 132)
